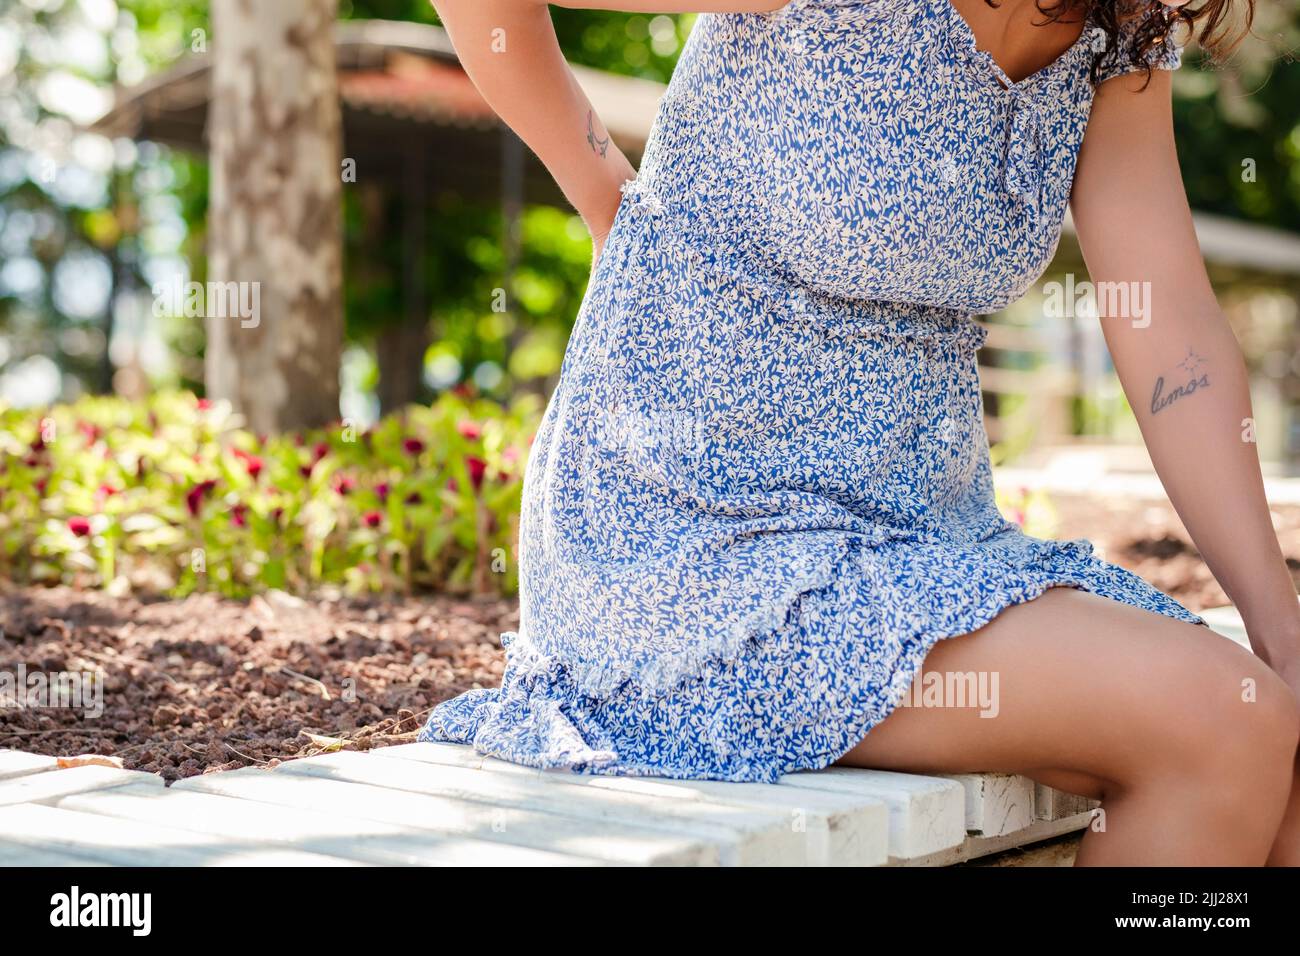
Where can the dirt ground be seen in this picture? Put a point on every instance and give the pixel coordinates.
(204, 683)
(1148, 538)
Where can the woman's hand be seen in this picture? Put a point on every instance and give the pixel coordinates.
(1277, 644)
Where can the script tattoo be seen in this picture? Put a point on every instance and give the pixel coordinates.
(598, 145)
(1195, 379)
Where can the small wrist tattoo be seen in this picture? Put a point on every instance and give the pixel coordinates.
(1192, 375)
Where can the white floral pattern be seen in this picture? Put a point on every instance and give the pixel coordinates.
(761, 491)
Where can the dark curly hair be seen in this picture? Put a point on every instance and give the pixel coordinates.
(1212, 23)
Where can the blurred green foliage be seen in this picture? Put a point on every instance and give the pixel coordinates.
(170, 495)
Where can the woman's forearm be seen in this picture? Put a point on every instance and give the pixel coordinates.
(1187, 384)
(1178, 360)
(510, 51)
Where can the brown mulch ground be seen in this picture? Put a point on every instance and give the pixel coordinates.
(1147, 538)
(204, 683)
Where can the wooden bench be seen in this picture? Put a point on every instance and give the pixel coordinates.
(440, 804)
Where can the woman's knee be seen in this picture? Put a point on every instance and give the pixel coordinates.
(1232, 722)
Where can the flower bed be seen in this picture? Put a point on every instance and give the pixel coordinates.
(171, 495)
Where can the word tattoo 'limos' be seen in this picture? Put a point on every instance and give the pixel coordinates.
(1193, 369)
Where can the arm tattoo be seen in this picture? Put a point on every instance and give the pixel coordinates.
(1191, 371)
(598, 145)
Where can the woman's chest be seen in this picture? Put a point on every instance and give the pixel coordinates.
(884, 157)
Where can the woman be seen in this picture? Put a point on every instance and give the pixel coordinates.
(760, 497)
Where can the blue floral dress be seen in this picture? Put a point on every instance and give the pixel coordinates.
(761, 490)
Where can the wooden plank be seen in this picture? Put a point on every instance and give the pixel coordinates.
(482, 834)
(740, 836)
(15, 763)
(15, 854)
(352, 838)
(1057, 852)
(1050, 804)
(974, 847)
(926, 814)
(842, 829)
(996, 803)
(43, 787)
(745, 836)
(129, 843)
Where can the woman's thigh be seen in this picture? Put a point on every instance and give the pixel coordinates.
(1090, 694)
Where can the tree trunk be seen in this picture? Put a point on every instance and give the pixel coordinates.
(399, 353)
(275, 218)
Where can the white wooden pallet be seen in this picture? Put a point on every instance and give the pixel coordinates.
(441, 804)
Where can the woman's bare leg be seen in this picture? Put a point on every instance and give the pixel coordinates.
(1188, 739)
(1286, 848)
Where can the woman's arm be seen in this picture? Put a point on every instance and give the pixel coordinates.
(509, 50)
(1179, 363)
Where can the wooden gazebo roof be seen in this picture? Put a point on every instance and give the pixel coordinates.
(403, 92)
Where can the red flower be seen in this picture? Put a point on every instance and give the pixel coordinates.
(382, 490)
(194, 497)
(239, 516)
(79, 526)
(344, 483)
(373, 519)
(463, 390)
(92, 432)
(204, 404)
(320, 451)
(253, 463)
(468, 429)
(305, 470)
(413, 498)
(413, 446)
(477, 468)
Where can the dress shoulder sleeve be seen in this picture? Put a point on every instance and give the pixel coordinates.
(1164, 55)
(796, 5)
